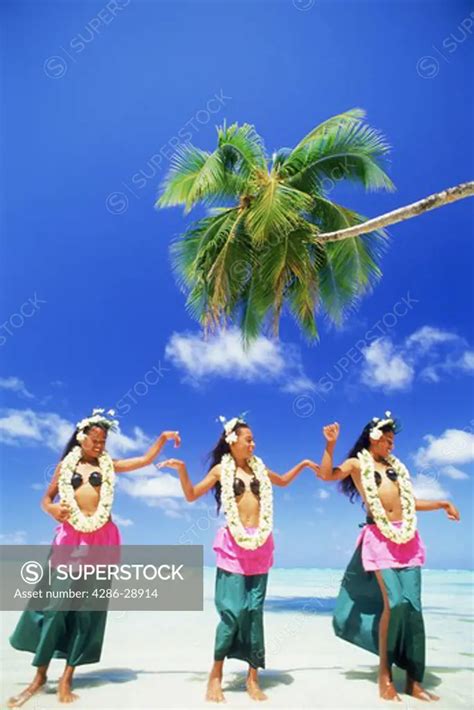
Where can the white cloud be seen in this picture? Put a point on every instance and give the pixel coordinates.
(386, 368)
(390, 367)
(14, 384)
(427, 337)
(466, 362)
(124, 522)
(119, 444)
(431, 373)
(454, 446)
(14, 538)
(223, 355)
(171, 507)
(427, 487)
(455, 473)
(298, 385)
(425, 341)
(21, 426)
(150, 485)
(322, 494)
(450, 365)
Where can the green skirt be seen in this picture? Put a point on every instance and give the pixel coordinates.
(239, 601)
(76, 636)
(360, 605)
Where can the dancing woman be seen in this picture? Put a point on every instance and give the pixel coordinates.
(379, 604)
(84, 480)
(242, 485)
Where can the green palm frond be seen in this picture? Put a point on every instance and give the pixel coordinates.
(209, 264)
(242, 149)
(291, 259)
(350, 117)
(228, 270)
(352, 270)
(194, 253)
(301, 280)
(350, 151)
(253, 309)
(276, 208)
(194, 175)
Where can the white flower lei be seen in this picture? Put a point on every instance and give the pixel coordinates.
(265, 524)
(408, 528)
(80, 521)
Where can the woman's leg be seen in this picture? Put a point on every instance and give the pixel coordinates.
(37, 683)
(416, 690)
(256, 600)
(214, 684)
(410, 579)
(65, 694)
(253, 686)
(386, 688)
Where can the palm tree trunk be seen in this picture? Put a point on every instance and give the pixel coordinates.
(459, 192)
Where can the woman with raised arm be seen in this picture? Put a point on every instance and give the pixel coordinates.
(379, 604)
(242, 484)
(84, 479)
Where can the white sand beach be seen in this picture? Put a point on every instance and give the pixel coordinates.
(161, 660)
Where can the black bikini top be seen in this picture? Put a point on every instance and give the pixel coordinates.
(239, 486)
(391, 473)
(95, 479)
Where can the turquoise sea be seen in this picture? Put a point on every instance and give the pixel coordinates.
(446, 593)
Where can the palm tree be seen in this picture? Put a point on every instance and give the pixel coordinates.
(259, 250)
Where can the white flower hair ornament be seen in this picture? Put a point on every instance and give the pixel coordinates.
(376, 432)
(231, 436)
(97, 417)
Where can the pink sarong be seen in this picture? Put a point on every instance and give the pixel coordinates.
(99, 547)
(108, 534)
(378, 552)
(233, 558)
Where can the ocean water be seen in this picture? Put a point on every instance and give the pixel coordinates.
(446, 593)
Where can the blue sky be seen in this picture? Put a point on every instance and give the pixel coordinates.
(95, 97)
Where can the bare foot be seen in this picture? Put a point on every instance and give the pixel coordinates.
(214, 692)
(254, 690)
(35, 687)
(387, 691)
(417, 691)
(65, 694)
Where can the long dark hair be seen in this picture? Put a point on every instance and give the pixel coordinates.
(215, 456)
(347, 486)
(74, 442)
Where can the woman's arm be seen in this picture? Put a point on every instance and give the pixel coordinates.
(425, 505)
(327, 471)
(192, 493)
(132, 464)
(286, 478)
(59, 511)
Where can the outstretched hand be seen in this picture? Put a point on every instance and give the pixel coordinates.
(331, 432)
(452, 512)
(172, 436)
(171, 463)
